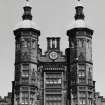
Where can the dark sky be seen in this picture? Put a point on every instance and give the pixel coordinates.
(53, 17)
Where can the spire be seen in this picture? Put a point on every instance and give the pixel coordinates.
(27, 11)
(79, 11)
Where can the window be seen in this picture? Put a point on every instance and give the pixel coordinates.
(73, 75)
(53, 81)
(25, 66)
(25, 94)
(89, 81)
(25, 101)
(25, 80)
(73, 81)
(38, 97)
(52, 97)
(17, 45)
(90, 101)
(80, 42)
(25, 73)
(90, 95)
(59, 81)
(32, 90)
(81, 73)
(90, 73)
(17, 75)
(82, 88)
(24, 88)
(31, 100)
(25, 98)
(81, 80)
(72, 44)
(23, 43)
(82, 94)
(81, 67)
(82, 101)
(33, 44)
(88, 43)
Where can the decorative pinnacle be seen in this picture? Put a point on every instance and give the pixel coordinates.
(27, 3)
(27, 11)
(79, 11)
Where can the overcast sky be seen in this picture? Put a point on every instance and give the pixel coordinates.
(53, 17)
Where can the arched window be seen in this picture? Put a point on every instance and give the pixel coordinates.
(33, 44)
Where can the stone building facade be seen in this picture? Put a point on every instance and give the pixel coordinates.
(53, 78)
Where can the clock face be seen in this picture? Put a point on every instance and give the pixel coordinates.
(53, 55)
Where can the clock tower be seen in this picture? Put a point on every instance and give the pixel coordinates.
(25, 85)
(52, 67)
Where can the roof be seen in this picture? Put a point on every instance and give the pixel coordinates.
(79, 23)
(26, 24)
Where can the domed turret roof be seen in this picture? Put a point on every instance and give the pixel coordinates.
(26, 24)
(27, 18)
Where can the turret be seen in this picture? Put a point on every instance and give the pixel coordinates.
(25, 85)
(80, 64)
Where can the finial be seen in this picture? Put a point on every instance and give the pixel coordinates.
(79, 11)
(27, 3)
(27, 11)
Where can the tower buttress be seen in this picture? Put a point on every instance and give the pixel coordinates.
(25, 85)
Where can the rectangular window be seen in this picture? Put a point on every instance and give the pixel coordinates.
(81, 67)
(25, 95)
(73, 81)
(90, 73)
(82, 94)
(17, 75)
(25, 80)
(25, 101)
(25, 74)
(17, 46)
(25, 66)
(90, 81)
(90, 95)
(81, 73)
(33, 44)
(81, 80)
(82, 101)
(90, 101)
(24, 88)
(82, 88)
(31, 101)
(25, 70)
